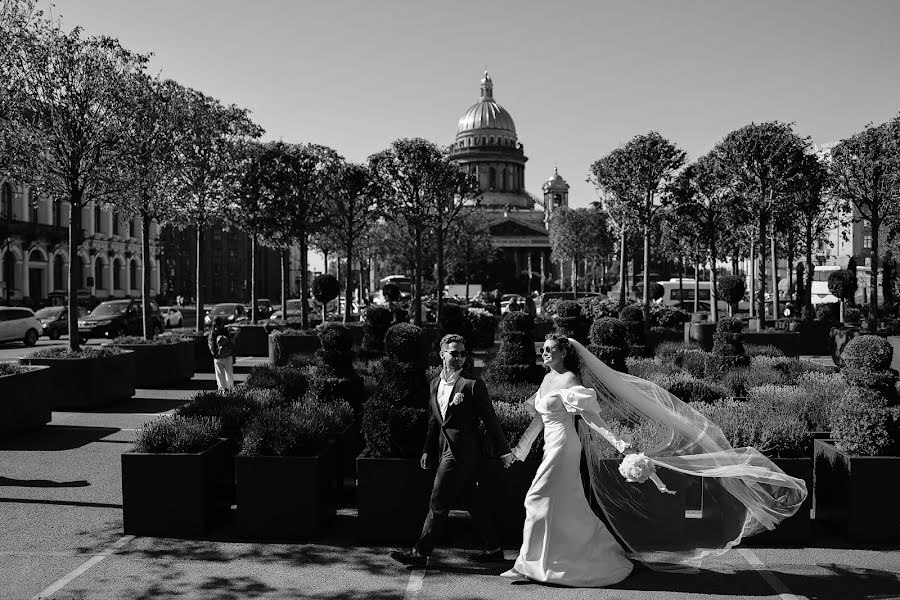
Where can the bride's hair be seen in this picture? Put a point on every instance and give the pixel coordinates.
(570, 354)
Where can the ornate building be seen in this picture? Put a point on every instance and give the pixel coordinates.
(34, 250)
(487, 146)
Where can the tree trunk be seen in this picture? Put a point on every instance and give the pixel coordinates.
(887, 281)
(681, 282)
(873, 279)
(439, 234)
(713, 279)
(199, 283)
(74, 240)
(348, 282)
(807, 290)
(647, 276)
(697, 285)
(790, 264)
(145, 276)
(325, 257)
(774, 253)
(761, 293)
(417, 279)
(254, 301)
(284, 257)
(304, 283)
(575, 278)
(622, 270)
(752, 278)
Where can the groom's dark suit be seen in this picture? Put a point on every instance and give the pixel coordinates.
(457, 440)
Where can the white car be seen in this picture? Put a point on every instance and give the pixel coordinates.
(506, 300)
(171, 316)
(19, 324)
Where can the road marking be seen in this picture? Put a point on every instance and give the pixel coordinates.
(768, 576)
(55, 587)
(414, 586)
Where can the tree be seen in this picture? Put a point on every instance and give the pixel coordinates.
(468, 249)
(209, 163)
(151, 138)
(864, 169)
(412, 176)
(576, 234)
(762, 163)
(816, 215)
(78, 109)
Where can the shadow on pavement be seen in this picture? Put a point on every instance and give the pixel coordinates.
(59, 503)
(140, 405)
(41, 483)
(57, 437)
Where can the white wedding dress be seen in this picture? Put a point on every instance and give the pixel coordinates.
(563, 542)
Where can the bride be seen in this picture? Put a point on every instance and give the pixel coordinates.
(565, 543)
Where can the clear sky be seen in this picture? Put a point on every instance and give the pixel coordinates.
(579, 78)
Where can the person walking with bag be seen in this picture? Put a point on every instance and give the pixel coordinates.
(221, 346)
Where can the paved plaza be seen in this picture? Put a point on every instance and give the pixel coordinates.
(61, 537)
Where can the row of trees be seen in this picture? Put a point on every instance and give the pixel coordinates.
(761, 190)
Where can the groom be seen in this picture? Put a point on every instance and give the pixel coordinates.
(457, 403)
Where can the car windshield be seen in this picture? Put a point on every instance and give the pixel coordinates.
(222, 309)
(109, 309)
(51, 312)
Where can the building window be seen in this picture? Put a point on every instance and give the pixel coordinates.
(133, 274)
(115, 225)
(98, 220)
(492, 179)
(131, 228)
(98, 274)
(35, 206)
(57, 213)
(117, 274)
(58, 269)
(9, 271)
(6, 208)
(867, 241)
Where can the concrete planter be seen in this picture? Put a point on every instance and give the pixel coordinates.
(838, 337)
(253, 340)
(287, 498)
(176, 495)
(347, 446)
(25, 401)
(505, 491)
(282, 346)
(857, 495)
(392, 496)
(702, 333)
(87, 383)
(161, 365)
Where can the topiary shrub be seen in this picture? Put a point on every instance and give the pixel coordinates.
(377, 321)
(827, 313)
(728, 346)
(391, 292)
(633, 318)
(657, 291)
(731, 289)
(609, 342)
(288, 381)
(454, 319)
(483, 324)
(514, 419)
(867, 364)
(515, 359)
(669, 317)
(843, 283)
(404, 343)
(570, 322)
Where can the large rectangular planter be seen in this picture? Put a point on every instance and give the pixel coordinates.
(793, 531)
(347, 446)
(288, 498)
(25, 400)
(201, 360)
(161, 365)
(87, 383)
(176, 495)
(281, 347)
(253, 340)
(701, 333)
(392, 496)
(858, 496)
(504, 491)
(788, 342)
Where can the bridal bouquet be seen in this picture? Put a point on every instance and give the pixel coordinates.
(638, 468)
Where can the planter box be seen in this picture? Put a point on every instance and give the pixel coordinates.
(392, 496)
(174, 495)
(25, 400)
(792, 531)
(504, 491)
(202, 358)
(253, 340)
(702, 333)
(282, 347)
(837, 339)
(89, 382)
(787, 342)
(857, 495)
(161, 365)
(814, 338)
(347, 446)
(287, 498)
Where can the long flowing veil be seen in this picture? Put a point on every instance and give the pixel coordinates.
(742, 491)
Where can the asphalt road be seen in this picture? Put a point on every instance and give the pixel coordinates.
(61, 534)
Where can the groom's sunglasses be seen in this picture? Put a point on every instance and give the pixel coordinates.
(457, 353)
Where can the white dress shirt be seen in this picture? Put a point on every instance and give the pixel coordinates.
(444, 391)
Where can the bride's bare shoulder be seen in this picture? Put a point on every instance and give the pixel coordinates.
(568, 379)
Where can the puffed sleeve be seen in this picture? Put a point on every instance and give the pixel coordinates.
(534, 428)
(583, 402)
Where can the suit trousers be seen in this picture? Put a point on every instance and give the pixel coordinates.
(454, 481)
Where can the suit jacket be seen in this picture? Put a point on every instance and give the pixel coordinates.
(460, 426)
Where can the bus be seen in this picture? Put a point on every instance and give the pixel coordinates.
(672, 295)
(821, 294)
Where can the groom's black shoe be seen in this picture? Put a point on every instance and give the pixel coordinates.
(486, 557)
(413, 559)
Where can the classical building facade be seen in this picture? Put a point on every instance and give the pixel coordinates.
(487, 146)
(34, 250)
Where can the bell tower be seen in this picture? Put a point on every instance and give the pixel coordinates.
(556, 195)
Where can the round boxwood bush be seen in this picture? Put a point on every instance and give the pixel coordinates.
(669, 316)
(391, 292)
(325, 288)
(570, 320)
(609, 343)
(633, 318)
(731, 289)
(827, 313)
(404, 342)
(842, 283)
(862, 424)
(519, 320)
(632, 313)
(869, 352)
(377, 321)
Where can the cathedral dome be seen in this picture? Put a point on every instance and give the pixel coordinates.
(486, 113)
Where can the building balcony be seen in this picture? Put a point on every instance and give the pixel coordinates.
(34, 231)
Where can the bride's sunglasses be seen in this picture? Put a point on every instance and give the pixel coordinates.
(549, 349)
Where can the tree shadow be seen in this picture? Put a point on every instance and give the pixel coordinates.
(41, 483)
(142, 405)
(57, 438)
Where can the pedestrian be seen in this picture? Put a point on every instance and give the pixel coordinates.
(529, 306)
(221, 346)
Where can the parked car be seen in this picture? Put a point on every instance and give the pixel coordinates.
(113, 318)
(232, 312)
(172, 317)
(507, 299)
(293, 309)
(55, 320)
(19, 324)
